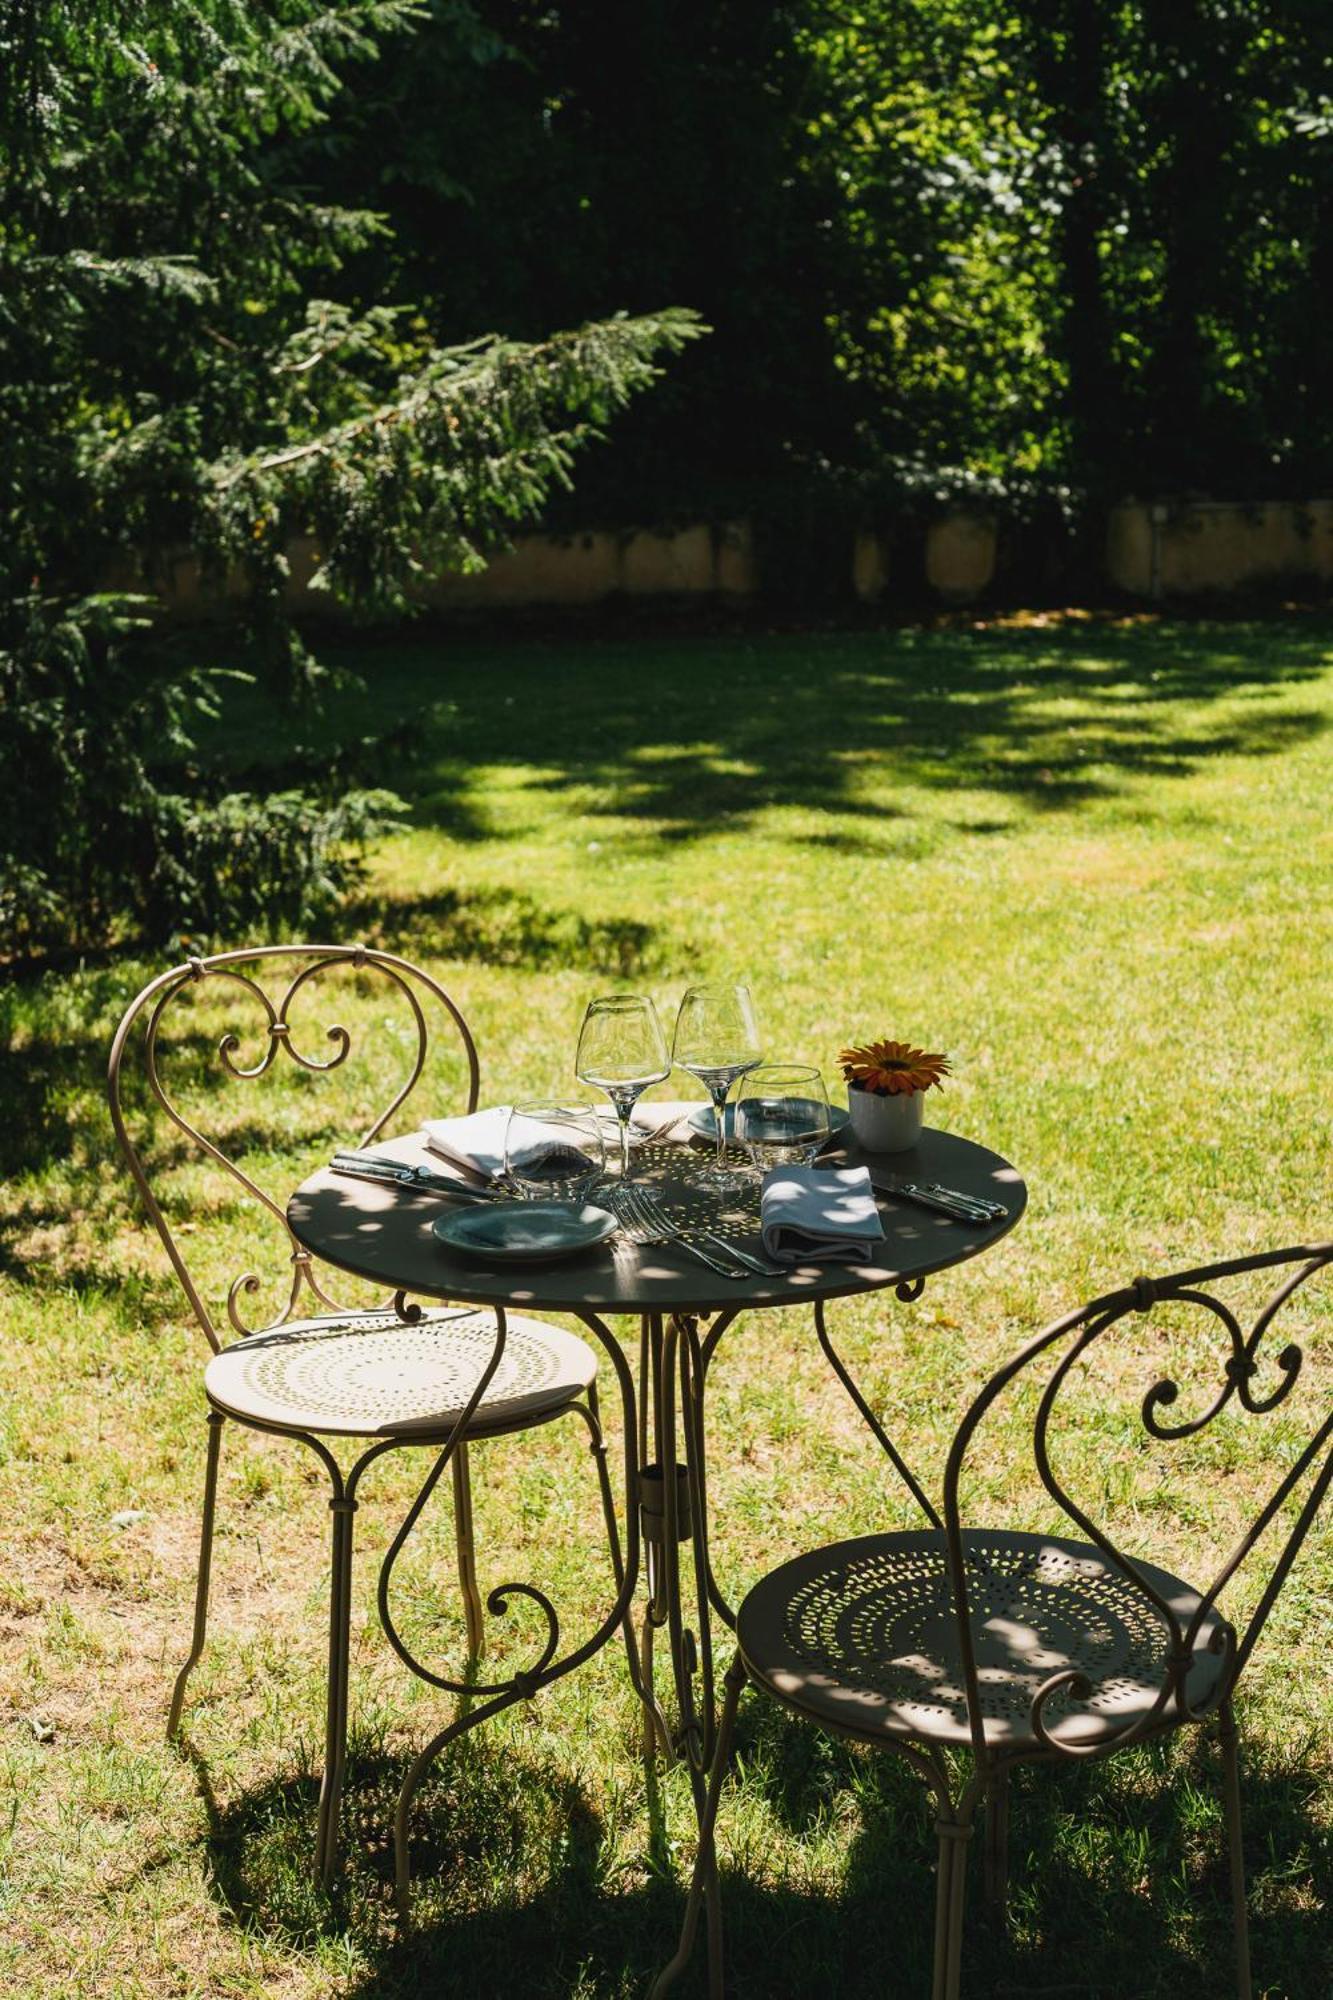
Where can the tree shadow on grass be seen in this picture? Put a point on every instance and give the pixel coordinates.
(52, 1078)
(56, 1114)
(504, 927)
(40, 1084)
(713, 733)
(699, 738)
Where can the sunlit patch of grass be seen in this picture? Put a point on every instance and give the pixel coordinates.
(1090, 860)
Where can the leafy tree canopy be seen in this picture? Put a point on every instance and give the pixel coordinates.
(1009, 248)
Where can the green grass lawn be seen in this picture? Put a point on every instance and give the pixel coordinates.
(1089, 859)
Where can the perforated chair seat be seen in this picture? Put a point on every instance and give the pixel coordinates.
(370, 1375)
(863, 1637)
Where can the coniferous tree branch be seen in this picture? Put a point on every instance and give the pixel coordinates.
(172, 379)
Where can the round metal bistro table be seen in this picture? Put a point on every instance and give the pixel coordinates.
(385, 1233)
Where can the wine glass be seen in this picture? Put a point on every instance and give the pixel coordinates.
(717, 1040)
(782, 1114)
(622, 1050)
(554, 1152)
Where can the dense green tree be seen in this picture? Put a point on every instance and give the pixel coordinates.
(939, 143)
(1007, 247)
(553, 162)
(174, 377)
(1192, 189)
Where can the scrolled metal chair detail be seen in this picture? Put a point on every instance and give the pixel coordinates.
(969, 1650)
(396, 1373)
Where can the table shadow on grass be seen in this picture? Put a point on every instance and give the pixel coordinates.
(1119, 1889)
(509, 1895)
(1119, 1885)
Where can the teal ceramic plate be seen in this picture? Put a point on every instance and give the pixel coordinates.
(703, 1122)
(525, 1232)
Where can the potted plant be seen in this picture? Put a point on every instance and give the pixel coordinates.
(886, 1088)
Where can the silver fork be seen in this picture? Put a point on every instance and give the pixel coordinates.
(641, 1227)
(654, 1215)
(613, 1195)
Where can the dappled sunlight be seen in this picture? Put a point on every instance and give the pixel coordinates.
(1047, 719)
(871, 848)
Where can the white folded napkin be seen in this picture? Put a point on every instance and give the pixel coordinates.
(652, 1114)
(819, 1213)
(475, 1143)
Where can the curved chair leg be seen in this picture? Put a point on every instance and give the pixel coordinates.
(335, 1733)
(1230, 1742)
(215, 1423)
(997, 1845)
(704, 1883)
(943, 1901)
(713, 1919)
(467, 1554)
(950, 1899)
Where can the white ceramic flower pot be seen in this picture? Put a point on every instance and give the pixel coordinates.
(886, 1124)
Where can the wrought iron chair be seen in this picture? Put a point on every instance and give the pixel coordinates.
(397, 1374)
(1022, 1647)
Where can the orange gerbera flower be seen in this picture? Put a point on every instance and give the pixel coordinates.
(893, 1068)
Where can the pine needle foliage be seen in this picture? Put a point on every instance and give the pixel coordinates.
(174, 381)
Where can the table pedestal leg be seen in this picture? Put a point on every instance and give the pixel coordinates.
(674, 1490)
(662, 1561)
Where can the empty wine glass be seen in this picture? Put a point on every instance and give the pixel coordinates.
(554, 1152)
(717, 1040)
(782, 1115)
(622, 1050)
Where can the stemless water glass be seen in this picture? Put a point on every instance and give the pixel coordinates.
(554, 1152)
(717, 1040)
(622, 1050)
(782, 1115)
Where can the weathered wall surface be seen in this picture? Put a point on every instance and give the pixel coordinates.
(1191, 548)
(1154, 550)
(698, 561)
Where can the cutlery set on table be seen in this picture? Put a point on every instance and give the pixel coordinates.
(528, 1183)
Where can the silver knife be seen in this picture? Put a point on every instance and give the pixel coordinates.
(461, 1176)
(394, 1174)
(733, 1269)
(958, 1208)
(995, 1209)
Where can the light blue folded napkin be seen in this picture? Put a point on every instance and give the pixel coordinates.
(816, 1214)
